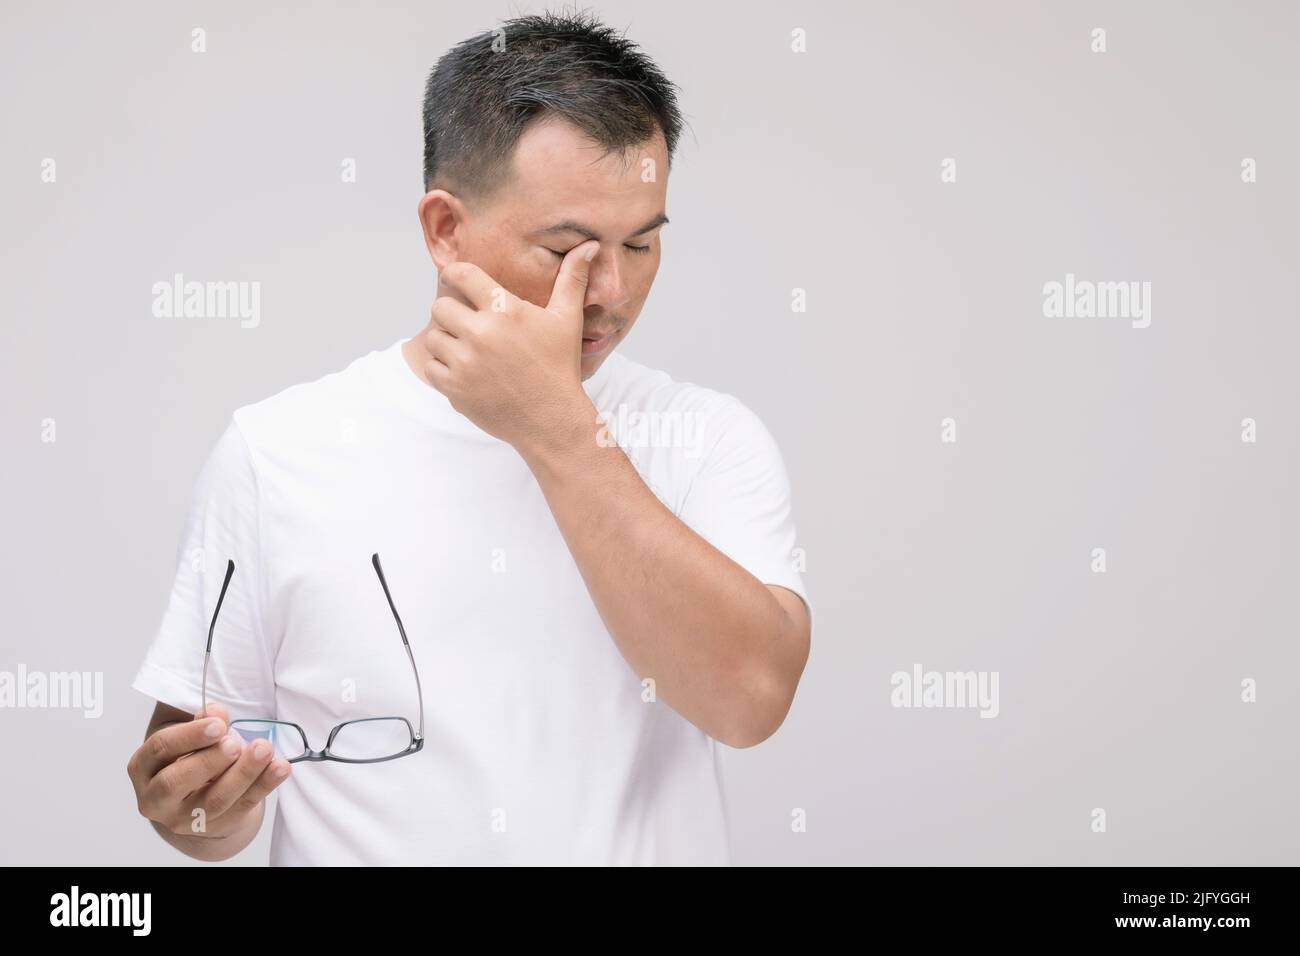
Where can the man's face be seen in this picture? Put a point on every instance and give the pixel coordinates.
(561, 193)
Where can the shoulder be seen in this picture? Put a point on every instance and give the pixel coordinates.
(661, 421)
(632, 387)
(318, 410)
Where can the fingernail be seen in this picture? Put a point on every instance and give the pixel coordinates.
(261, 749)
(591, 251)
(231, 747)
(213, 729)
(281, 772)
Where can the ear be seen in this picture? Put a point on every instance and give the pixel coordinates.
(442, 216)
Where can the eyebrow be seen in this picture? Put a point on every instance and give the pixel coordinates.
(568, 225)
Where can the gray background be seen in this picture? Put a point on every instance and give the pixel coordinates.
(819, 171)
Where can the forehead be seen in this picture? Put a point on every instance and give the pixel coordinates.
(557, 173)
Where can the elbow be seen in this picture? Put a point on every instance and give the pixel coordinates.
(766, 686)
(760, 712)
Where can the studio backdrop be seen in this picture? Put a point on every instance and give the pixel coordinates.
(1011, 285)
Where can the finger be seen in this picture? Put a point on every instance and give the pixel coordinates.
(191, 772)
(441, 345)
(234, 783)
(452, 315)
(276, 773)
(438, 374)
(214, 710)
(172, 742)
(570, 291)
(477, 289)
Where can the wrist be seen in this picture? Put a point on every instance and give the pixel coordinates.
(574, 425)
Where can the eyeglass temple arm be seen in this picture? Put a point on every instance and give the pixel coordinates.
(230, 571)
(374, 559)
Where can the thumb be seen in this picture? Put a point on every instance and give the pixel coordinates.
(570, 289)
(215, 710)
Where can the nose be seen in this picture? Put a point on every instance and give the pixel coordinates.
(607, 284)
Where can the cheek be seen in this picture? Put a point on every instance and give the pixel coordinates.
(529, 277)
(651, 265)
(537, 281)
(645, 277)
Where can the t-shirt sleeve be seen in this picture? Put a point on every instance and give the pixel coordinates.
(222, 524)
(740, 502)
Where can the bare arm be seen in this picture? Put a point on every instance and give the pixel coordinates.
(725, 650)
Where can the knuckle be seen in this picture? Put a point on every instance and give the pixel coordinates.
(156, 746)
(215, 803)
(152, 806)
(165, 787)
(245, 804)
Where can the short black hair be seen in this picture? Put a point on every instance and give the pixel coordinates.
(484, 91)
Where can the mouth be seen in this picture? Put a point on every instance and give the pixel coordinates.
(595, 342)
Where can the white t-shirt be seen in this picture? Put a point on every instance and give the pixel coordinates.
(540, 747)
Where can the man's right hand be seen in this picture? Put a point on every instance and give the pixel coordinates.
(195, 779)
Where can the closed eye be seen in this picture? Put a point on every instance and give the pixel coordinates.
(639, 250)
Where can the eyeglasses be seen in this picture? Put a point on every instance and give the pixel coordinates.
(367, 740)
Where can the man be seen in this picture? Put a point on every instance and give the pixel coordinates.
(587, 620)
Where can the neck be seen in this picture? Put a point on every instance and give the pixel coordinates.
(416, 355)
